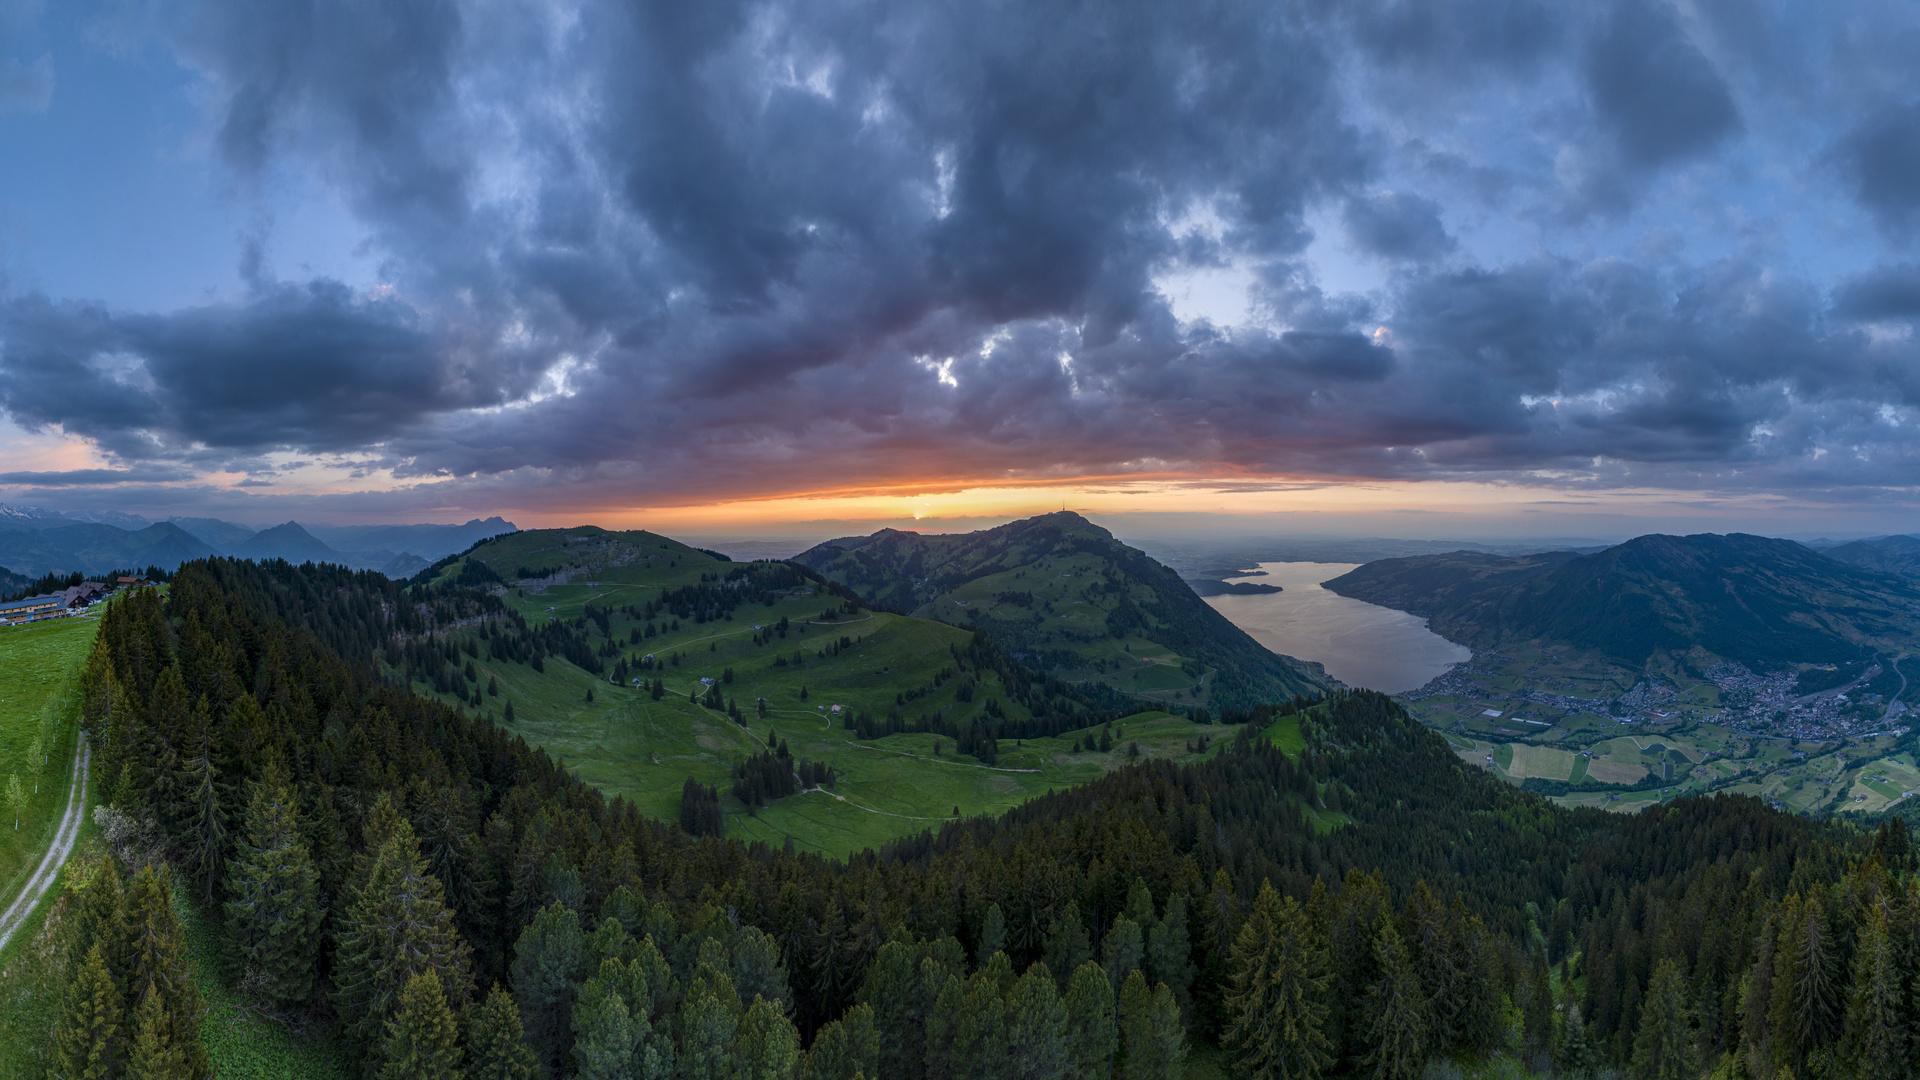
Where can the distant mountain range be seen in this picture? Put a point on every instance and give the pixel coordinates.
(1890, 554)
(1064, 593)
(1759, 601)
(35, 541)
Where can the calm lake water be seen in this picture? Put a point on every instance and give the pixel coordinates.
(1361, 644)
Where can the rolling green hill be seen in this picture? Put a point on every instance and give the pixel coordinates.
(1065, 596)
(644, 663)
(1761, 602)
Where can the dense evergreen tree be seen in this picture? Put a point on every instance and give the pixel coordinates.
(766, 1046)
(422, 1041)
(274, 913)
(1874, 1039)
(846, 1048)
(88, 1040)
(1276, 1003)
(1122, 951)
(495, 1045)
(163, 1000)
(549, 962)
(1092, 1035)
(1396, 1011)
(1036, 1027)
(1665, 1048)
(394, 926)
(993, 934)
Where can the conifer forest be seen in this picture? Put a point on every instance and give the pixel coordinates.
(451, 903)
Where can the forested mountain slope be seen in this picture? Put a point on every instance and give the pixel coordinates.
(1072, 600)
(421, 856)
(1759, 601)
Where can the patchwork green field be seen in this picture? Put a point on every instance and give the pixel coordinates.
(793, 667)
(39, 711)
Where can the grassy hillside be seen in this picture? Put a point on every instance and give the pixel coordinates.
(38, 709)
(1064, 595)
(1761, 602)
(597, 622)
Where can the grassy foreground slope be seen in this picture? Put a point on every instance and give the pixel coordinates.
(751, 655)
(1073, 601)
(39, 708)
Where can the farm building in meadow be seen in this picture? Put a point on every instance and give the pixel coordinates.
(33, 607)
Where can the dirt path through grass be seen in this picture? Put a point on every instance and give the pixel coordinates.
(57, 852)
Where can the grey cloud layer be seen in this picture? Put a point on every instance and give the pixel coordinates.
(667, 250)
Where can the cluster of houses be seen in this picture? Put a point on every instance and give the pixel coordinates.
(66, 601)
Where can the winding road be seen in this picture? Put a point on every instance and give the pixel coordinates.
(56, 856)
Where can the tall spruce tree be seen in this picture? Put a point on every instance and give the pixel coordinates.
(1874, 1039)
(1092, 1037)
(395, 925)
(421, 1041)
(1153, 1042)
(274, 912)
(1036, 1027)
(709, 1019)
(495, 1042)
(980, 1036)
(1170, 951)
(1576, 1058)
(1122, 951)
(766, 1046)
(549, 962)
(162, 997)
(993, 934)
(1067, 946)
(1276, 999)
(846, 1048)
(157, 1051)
(899, 998)
(1396, 1011)
(87, 1040)
(204, 838)
(1665, 1047)
(1806, 1008)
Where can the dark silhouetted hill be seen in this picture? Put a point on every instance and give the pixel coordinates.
(1762, 602)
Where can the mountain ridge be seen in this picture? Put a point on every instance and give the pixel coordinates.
(1759, 601)
(1019, 583)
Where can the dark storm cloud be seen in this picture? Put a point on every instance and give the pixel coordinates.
(307, 366)
(1882, 158)
(1656, 93)
(667, 250)
(1887, 292)
(1397, 225)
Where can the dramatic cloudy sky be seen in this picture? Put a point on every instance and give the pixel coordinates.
(405, 258)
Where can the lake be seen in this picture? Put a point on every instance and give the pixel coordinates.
(1361, 644)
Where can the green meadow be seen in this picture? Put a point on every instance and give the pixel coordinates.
(39, 710)
(625, 742)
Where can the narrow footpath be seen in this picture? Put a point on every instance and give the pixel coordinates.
(56, 856)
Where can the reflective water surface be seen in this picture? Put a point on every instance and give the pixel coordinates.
(1361, 644)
